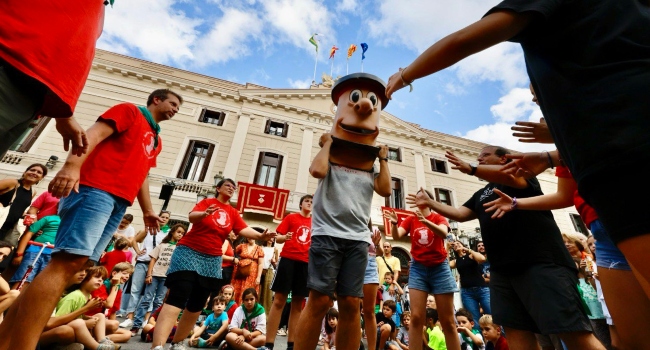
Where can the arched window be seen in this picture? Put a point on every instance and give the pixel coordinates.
(268, 169)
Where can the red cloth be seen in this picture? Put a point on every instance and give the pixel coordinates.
(229, 252)
(502, 344)
(297, 248)
(587, 213)
(231, 311)
(207, 235)
(46, 204)
(401, 215)
(426, 247)
(53, 42)
(114, 257)
(120, 164)
(103, 292)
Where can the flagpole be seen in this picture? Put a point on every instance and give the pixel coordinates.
(362, 66)
(347, 64)
(315, 64)
(332, 67)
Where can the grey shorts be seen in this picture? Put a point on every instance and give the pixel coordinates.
(337, 265)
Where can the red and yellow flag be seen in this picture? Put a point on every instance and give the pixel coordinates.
(351, 50)
(333, 51)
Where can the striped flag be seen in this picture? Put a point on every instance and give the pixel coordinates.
(313, 41)
(351, 50)
(333, 51)
(364, 48)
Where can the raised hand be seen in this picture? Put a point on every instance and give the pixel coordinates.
(531, 132)
(420, 216)
(499, 206)
(460, 165)
(211, 209)
(419, 199)
(325, 138)
(376, 236)
(266, 235)
(383, 151)
(526, 165)
(392, 216)
(395, 83)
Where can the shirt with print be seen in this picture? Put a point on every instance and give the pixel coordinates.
(49, 225)
(213, 323)
(47, 205)
(426, 247)
(130, 148)
(403, 336)
(71, 302)
(296, 248)
(163, 255)
(505, 237)
(588, 63)
(342, 203)
(208, 234)
(586, 211)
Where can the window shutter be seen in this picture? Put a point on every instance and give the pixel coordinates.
(276, 182)
(206, 164)
(260, 161)
(186, 158)
(285, 130)
(38, 127)
(437, 192)
(202, 115)
(222, 116)
(267, 128)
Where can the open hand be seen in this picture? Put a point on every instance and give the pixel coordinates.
(420, 216)
(266, 235)
(152, 222)
(460, 165)
(419, 199)
(288, 235)
(376, 236)
(526, 165)
(73, 134)
(499, 206)
(394, 83)
(531, 132)
(391, 215)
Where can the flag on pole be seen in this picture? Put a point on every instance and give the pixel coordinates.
(313, 41)
(364, 48)
(351, 50)
(333, 51)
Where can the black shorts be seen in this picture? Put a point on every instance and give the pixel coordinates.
(291, 276)
(619, 198)
(189, 290)
(337, 264)
(543, 298)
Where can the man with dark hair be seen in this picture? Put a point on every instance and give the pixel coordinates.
(532, 290)
(95, 198)
(295, 232)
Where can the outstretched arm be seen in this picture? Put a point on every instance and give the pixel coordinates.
(563, 198)
(460, 214)
(489, 173)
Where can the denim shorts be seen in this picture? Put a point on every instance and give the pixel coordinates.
(432, 279)
(372, 274)
(28, 259)
(88, 221)
(607, 254)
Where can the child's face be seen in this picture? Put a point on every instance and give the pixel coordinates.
(227, 293)
(249, 302)
(388, 279)
(78, 277)
(178, 234)
(218, 308)
(124, 224)
(333, 321)
(122, 275)
(406, 322)
(94, 283)
(388, 312)
(490, 332)
(464, 322)
(431, 302)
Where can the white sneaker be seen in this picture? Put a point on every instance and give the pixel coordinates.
(159, 347)
(126, 323)
(178, 346)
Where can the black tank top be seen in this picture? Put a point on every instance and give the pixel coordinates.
(22, 201)
(470, 272)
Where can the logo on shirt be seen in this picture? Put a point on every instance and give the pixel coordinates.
(486, 193)
(221, 218)
(423, 237)
(148, 142)
(303, 235)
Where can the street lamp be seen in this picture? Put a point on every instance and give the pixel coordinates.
(218, 178)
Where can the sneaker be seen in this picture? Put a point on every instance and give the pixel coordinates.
(105, 346)
(222, 345)
(159, 347)
(263, 348)
(106, 341)
(178, 346)
(119, 315)
(202, 343)
(134, 331)
(128, 323)
(282, 332)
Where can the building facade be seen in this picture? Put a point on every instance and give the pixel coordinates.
(258, 135)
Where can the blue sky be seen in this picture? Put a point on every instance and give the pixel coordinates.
(266, 43)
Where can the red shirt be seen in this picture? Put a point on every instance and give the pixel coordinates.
(502, 344)
(297, 248)
(587, 213)
(53, 42)
(207, 235)
(103, 292)
(426, 248)
(231, 253)
(120, 164)
(112, 258)
(46, 204)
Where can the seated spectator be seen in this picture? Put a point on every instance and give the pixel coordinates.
(76, 300)
(331, 321)
(247, 331)
(470, 338)
(148, 329)
(402, 338)
(386, 329)
(228, 291)
(434, 335)
(124, 230)
(111, 293)
(214, 328)
(68, 329)
(121, 253)
(7, 296)
(492, 334)
(27, 251)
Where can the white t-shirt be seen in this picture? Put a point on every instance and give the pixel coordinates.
(259, 322)
(147, 245)
(268, 255)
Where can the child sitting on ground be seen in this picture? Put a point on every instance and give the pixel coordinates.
(434, 335)
(402, 338)
(492, 334)
(78, 298)
(214, 327)
(386, 326)
(331, 321)
(470, 338)
(247, 331)
(228, 291)
(111, 293)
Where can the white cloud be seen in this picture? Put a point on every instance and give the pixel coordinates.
(347, 5)
(299, 84)
(514, 106)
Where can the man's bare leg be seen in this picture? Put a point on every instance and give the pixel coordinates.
(370, 322)
(273, 321)
(521, 340)
(311, 320)
(348, 331)
(294, 317)
(28, 315)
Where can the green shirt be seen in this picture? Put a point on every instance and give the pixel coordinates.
(70, 303)
(436, 339)
(49, 225)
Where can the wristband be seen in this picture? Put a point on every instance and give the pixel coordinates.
(550, 160)
(18, 255)
(514, 203)
(473, 171)
(404, 82)
(386, 159)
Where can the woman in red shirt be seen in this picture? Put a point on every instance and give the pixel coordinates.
(195, 267)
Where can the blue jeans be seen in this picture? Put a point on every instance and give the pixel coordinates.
(88, 221)
(472, 297)
(154, 292)
(30, 258)
(607, 254)
(137, 283)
